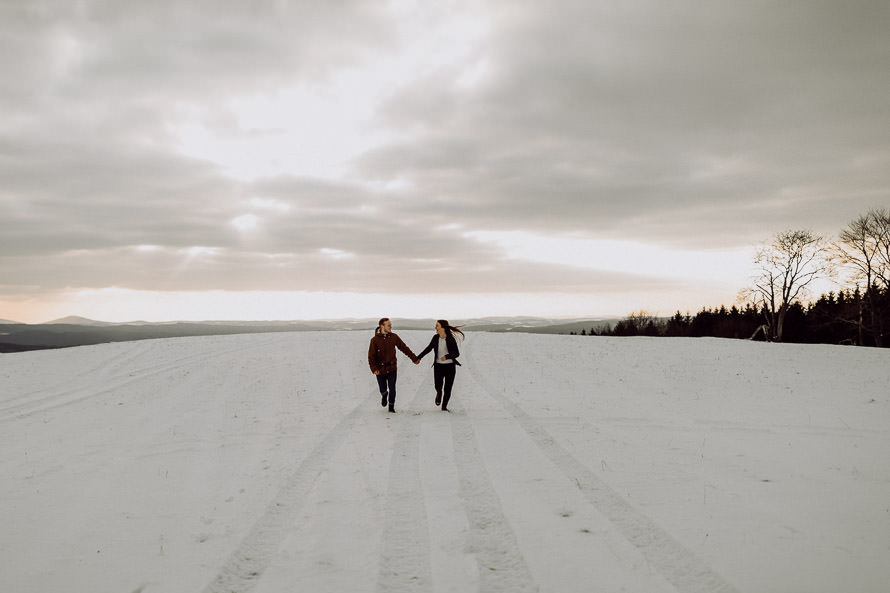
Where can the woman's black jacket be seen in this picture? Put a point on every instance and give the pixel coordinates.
(453, 351)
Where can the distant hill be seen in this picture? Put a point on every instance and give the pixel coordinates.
(75, 320)
(79, 331)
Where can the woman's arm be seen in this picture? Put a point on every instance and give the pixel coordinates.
(426, 350)
(453, 351)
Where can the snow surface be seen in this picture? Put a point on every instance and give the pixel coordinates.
(265, 463)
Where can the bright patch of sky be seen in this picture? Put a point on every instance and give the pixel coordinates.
(629, 257)
(318, 128)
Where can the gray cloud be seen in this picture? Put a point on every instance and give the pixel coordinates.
(313, 271)
(628, 114)
(166, 48)
(689, 125)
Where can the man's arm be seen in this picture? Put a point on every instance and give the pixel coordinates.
(401, 346)
(372, 357)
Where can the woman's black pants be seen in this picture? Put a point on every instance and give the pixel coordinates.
(444, 373)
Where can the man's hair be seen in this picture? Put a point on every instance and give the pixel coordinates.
(380, 323)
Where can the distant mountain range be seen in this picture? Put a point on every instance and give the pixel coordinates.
(79, 331)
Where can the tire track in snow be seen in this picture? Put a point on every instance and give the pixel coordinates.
(68, 394)
(675, 563)
(492, 542)
(64, 384)
(405, 557)
(245, 566)
(45, 398)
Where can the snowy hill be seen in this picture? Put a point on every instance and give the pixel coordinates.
(265, 463)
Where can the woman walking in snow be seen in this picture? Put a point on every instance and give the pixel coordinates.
(444, 347)
(382, 360)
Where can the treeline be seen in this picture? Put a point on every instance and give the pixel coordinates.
(777, 309)
(832, 319)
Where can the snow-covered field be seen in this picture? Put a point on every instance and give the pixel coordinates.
(265, 463)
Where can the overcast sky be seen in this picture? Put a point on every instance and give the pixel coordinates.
(285, 159)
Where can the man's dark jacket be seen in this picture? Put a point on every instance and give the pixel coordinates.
(382, 352)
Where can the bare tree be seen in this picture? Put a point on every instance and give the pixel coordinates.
(881, 221)
(864, 248)
(788, 265)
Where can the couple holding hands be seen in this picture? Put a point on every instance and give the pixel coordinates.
(382, 359)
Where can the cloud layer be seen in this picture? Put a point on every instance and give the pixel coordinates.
(310, 146)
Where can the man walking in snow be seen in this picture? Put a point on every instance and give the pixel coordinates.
(382, 360)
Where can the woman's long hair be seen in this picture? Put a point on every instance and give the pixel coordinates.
(450, 330)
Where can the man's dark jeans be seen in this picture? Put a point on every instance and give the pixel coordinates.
(387, 383)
